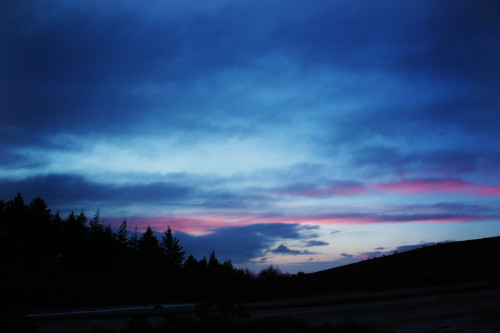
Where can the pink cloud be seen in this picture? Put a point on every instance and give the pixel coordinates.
(207, 223)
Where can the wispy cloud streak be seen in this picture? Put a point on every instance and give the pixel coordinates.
(422, 186)
(209, 223)
(405, 186)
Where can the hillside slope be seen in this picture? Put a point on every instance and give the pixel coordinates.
(463, 262)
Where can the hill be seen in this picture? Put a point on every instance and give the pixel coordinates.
(455, 263)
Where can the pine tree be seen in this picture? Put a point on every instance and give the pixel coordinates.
(38, 235)
(99, 241)
(134, 240)
(17, 227)
(213, 262)
(174, 256)
(74, 240)
(191, 264)
(150, 253)
(122, 234)
(95, 224)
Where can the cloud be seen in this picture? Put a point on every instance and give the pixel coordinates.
(330, 188)
(240, 244)
(424, 213)
(313, 242)
(283, 249)
(405, 186)
(95, 66)
(433, 185)
(72, 189)
(197, 206)
(438, 162)
(15, 160)
(66, 190)
(129, 71)
(233, 113)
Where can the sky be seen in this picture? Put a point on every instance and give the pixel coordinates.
(303, 134)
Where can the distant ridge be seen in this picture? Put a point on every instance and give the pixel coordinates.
(452, 263)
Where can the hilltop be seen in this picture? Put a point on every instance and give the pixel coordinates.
(454, 263)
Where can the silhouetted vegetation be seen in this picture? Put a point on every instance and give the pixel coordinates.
(53, 261)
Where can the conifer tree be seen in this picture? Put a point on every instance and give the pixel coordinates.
(122, 233)
(174, 256)
(190, 264)
(134, 240)
(38, 234)
(74, 240)
(150, 252)
(213, 262)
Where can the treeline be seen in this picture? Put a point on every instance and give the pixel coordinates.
(77, 260)
(32, 236)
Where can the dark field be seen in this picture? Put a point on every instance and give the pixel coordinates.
(467, 311)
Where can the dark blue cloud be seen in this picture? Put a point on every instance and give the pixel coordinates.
(240, 244)
(58, 189)
(461, 31)
(412, 213)
(74, 191)
(316, 243)
(447, 162)
(76, 71)
(12, 159)
(283, 249)
(467, 209)
(74, 68)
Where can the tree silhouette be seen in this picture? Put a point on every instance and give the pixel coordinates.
(191, 264)
(3, 233)
(122, 233)
(150, 253)
(66, 256)
(101, 240)
(39, 233)
(16, 213)
(74, 240)
(174, 256)
(134, 240)
(213, 262)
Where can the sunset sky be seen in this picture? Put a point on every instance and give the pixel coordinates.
(307, 134)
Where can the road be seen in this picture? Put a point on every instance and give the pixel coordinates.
(109, 310)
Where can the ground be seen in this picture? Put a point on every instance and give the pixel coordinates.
(463, 311)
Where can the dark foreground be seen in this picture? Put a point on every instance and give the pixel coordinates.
(466, 311)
